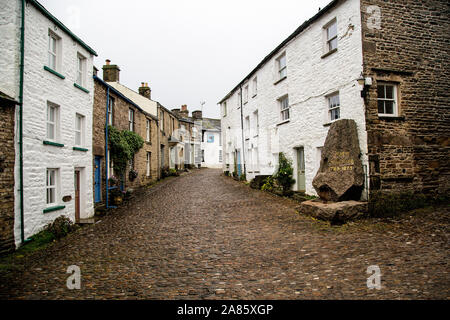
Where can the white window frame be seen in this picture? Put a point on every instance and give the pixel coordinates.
(161, 116)
(329, 39)
(111, 110)
(52, 189)
(247, 127)
(149, 159)
(256, 122)
(53, 52)
(332, 108)
(284, 108)
(148, 130)
(220, 156)
(246, 94)
(131, 120)
(224, 106)
(54, 123)
(394, 99)
(79, 119)
(239, 99)
(81, 69)
(110, 165)
(255, 86)
(282, 69)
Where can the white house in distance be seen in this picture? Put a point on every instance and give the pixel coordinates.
(211, 145)
(57, 116)
(287, 103)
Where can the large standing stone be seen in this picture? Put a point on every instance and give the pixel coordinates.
(341, 175)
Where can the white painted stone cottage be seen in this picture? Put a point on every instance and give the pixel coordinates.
(288, 101)
(56, 88)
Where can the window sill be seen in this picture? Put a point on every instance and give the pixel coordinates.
(59, 75)
(284, 122)
(51, 209)
(391, 118)
(54, 144)
(278, 81)
(329, 53)
(80, 87)
(80, 149)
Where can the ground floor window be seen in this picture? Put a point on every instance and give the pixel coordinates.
(334, 110)
(52, 176)
(387, 99)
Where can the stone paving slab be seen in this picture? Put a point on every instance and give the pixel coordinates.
(206, 236)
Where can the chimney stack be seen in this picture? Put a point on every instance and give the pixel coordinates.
(111, 72)
(184, 111)
(197, 115)
(145, 91)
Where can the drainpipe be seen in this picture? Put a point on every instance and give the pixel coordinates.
(22, 62)
(106, 153)
(158, 148)
(242, 134)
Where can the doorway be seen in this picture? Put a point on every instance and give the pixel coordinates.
(301, 178)
(77, 196)
(97, 179)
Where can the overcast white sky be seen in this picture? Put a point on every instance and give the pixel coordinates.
(188, 51)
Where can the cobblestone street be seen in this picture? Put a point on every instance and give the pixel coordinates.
(206, 236)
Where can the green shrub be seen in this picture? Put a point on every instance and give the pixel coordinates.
(285, 173)
(123, 145)
(269, 184)
(60, 227)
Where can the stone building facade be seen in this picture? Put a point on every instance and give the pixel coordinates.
(145, 161)
(171, 147)
(382, 64)
(408, 50)
(7, 161)
(57, 112)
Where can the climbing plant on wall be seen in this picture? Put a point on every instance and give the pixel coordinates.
(123, 145)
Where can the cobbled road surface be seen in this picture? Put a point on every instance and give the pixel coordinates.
(206, 236)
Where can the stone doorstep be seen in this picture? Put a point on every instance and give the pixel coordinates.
(87, 221)
(336, 212)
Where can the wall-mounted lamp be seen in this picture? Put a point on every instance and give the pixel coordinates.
(366, 82)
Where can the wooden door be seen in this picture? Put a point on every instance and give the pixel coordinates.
(301, 178)
(77, 196)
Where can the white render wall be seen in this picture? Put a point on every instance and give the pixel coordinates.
(212, 150)
(10, 20)
(41, 86)
(310, 78)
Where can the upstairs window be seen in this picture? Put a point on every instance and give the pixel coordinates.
(148, 130)
(331, 36)
(110, 110)
(52, 121)
(246, 94)
(247, 127)
(387, 99)
(282, 68)
(79, 130)
(334, 104)
(81, 69)
(284, 108)
(256, 123)
(131, 119)
(53, 48)
(224, 109)
(255, 86)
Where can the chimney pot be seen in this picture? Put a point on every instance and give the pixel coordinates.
(108, 62)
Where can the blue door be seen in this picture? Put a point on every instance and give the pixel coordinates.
(98, 180)
(238, 156)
